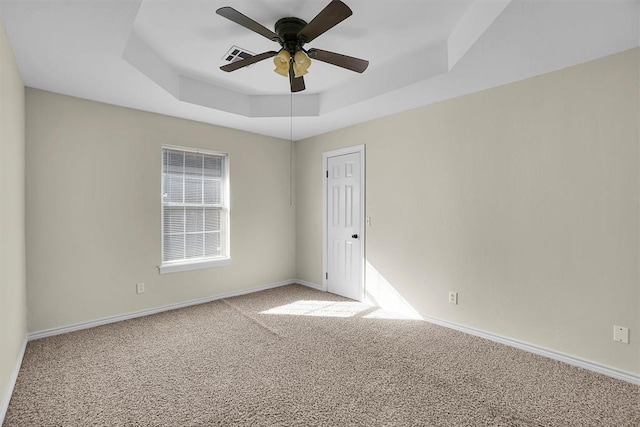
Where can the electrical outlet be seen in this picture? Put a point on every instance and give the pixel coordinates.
(453, 297)
(621, 334)
(140, 288)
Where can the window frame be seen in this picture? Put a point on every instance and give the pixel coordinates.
(225, 229)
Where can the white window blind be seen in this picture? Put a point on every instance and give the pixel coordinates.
(194, 206)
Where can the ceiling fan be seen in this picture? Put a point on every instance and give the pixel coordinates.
(292, 34)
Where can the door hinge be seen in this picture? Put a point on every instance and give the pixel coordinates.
(326, 276)
(327, 174)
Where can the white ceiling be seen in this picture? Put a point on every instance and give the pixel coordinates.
(194, 39)
(164, 56)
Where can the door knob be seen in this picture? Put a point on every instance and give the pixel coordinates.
(355, 236)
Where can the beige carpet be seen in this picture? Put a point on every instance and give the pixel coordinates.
(285, 358)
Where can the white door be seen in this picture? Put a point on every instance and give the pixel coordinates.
(343, 219)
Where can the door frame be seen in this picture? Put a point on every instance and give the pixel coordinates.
(357, 149)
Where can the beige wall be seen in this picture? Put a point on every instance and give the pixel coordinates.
(13, 314)
(523, 198)
(93, 210)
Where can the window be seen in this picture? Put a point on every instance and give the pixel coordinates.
(195, 209)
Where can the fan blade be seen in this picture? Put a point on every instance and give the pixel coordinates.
(329, 17)
(297, 83)
(248, 61)
(240, 19)
(344, 61)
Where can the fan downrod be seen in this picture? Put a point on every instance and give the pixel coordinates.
(288, 29)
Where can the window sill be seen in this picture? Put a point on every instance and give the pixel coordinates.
(194, 265)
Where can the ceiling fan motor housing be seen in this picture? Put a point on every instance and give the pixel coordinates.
(287, 29)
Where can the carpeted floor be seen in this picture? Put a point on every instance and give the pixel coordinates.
(293, 356)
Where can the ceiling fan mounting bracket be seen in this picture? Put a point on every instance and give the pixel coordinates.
(287, 30)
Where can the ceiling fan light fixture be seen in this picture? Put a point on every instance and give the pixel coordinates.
(301, 63)
(281, 61)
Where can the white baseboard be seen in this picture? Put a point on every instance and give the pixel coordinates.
(571, 360)
(311, 285)
(12, 382)
(149, 311)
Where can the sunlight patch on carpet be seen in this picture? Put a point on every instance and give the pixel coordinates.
(318, 308)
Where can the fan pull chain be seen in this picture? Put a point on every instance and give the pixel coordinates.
(291, 150)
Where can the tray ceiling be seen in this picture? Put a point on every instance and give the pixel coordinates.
(164, 56)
